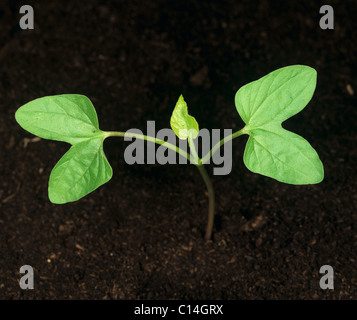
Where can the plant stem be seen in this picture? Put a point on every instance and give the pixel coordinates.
(195, 158)
(207, 180)
(221, 143)
(211, 203)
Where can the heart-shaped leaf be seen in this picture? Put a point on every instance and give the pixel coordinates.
(184, 125)
(80, 171)
(271, 150)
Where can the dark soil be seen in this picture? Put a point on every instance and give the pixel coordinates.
(141, 235)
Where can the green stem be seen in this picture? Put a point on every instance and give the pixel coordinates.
(219, 144)
(207, 180)
(196, 160)
(211, 202)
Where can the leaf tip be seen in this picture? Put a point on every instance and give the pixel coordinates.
(55, 197)
(181, 103)
(18, 115)
(320, 174)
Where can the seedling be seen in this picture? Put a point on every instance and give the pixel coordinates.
(263, 105)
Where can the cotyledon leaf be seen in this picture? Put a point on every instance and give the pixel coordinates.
(80, 171)
(271, 150)
(182, 123)
(70, 118)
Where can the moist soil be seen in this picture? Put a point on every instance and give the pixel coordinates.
(140, 236)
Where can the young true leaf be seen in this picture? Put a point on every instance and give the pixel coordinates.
(80, 171)
(184, 125)
(70, 118)
(271, 150)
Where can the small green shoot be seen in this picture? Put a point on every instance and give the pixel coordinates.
(263, 105)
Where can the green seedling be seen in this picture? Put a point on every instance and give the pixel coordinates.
(263, 105)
